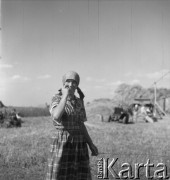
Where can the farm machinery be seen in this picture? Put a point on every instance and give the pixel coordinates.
(120, 114)
(140, 109)
(145, 109)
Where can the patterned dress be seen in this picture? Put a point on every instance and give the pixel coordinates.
(69, 158)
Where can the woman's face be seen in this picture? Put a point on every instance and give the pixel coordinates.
(71, 84)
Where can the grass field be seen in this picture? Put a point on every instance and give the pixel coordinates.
(24, 151)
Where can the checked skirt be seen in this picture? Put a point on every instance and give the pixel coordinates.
(68, 158)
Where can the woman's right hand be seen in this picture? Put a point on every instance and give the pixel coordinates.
(65, 91)
(94, 150)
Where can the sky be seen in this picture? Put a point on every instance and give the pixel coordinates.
(108, 42)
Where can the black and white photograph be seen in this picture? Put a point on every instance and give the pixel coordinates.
(84, 89)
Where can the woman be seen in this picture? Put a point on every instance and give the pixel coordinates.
(69, 159)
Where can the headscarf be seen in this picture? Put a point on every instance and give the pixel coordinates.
(71, 75)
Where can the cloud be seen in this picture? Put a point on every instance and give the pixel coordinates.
(135, 81)
(5, 65)
(159, 74)
(156, 75)
(90, 79)
(100, 80)
(16, 77)
(20, 78)
(117, 83)
(98, 87)
(45, 76)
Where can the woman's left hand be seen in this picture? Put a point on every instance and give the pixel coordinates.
(94, 150)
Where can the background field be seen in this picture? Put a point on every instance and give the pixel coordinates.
(24, 151)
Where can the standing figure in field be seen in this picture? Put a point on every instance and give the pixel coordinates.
(69, 158)
(15, 119)
(135, 112)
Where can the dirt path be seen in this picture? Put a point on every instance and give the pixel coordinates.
(94, 125)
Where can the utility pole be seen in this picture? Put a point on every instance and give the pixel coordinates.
(155, 97)
(155, 92)
(156, 105)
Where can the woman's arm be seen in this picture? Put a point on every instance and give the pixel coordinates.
(92, 147)
(58, 111)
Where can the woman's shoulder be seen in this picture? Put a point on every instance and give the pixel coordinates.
(56, 97)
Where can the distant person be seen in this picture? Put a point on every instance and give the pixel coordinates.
(135, 112)
(69, 158)
(13, 114)
(143, 110)
(15, 119)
